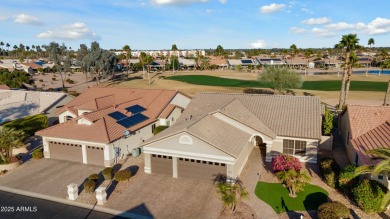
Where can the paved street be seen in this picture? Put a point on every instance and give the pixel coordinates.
(12, 204)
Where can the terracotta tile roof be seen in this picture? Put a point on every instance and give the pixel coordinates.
(32, 65)
(369, 129)
(167, 111)
(363, 119)
(378, 137)
(220, 62)
(104, 128)
(4, 87)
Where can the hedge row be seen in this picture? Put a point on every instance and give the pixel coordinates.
(329, 170)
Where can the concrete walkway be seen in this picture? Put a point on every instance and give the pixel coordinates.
(250, 177)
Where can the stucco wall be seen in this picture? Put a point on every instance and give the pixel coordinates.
(175, 115)
(181, 100)
(127, 144)
(311, 148)
(65, 114)
(242, 159)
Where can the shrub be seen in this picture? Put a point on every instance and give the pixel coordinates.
(284, 162)
(348, 178)
(40, 70)
(53, 79)
(40, 80)
(29, 124)
(89, 186)
(94, 177)
(159, 129)
(369, 194)
(332, 210)
(107, 173)
(37, 154)
(122, 175)
(329, 170)
(70, 81)
(65, 90)
(328, 122)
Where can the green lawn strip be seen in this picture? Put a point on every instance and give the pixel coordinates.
(29, 124)
(307, 85)
(276, 195)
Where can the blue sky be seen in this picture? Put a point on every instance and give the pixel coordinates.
(157, 24)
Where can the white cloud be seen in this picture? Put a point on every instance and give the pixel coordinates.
(266, 9)
(260, 44)
(223, 1)
(297, 30)
(178, 2)
(316, 21)
(340, 26)
(70, 32)
(323, 32)
(375, 27)
(27, 19)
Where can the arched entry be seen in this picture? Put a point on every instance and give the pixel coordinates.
(258, 142)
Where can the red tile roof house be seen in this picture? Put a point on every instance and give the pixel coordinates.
(105, 124)
(217, 132)
(365, 128)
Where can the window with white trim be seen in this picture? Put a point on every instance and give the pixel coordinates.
(294, 147)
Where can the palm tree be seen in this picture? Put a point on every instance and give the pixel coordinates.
(231, 194)
(127, 49)
(7, 45)
(295, 181)
(293, 52)
(382, 154)
(142, 59)
(350, 44)
(148, 60)
(1, 44)
(10, 138)
(174, 49)
(371, 41)
(219, 50)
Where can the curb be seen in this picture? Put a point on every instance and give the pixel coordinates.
(114, 212)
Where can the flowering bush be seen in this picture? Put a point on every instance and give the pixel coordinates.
(284, 162)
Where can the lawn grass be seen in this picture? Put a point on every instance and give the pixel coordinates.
(29, 124)
(307, 85)
(276, 195)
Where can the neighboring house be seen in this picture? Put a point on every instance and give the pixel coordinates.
(217, 132)
(16, 104)
(365, 128)
(187, 63)
(103, 125)
(267, 61)
(222, 63)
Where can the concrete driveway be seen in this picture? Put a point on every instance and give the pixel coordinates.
(162, 196)
(48, 176)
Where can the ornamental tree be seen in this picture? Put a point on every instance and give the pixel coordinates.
(284, 162)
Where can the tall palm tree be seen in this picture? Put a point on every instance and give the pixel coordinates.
(219, 50)
(382, 154)
(231, 194)
(293, 52)
(7, 45)
(1, 44)
(148, 61)
(127, 49)
(174, 49)
(142, 59)
(349, 43)
(371, 41)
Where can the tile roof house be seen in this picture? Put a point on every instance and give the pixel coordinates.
(217, 132)
(16, 104)
(365, 128)
(103, 124)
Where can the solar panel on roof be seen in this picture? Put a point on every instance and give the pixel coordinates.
(117, 115)
(135, 109)
(246, 61)
(132, 120)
